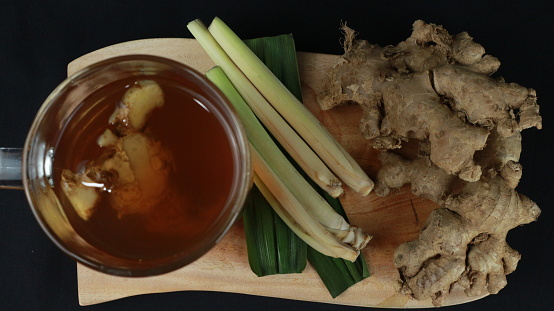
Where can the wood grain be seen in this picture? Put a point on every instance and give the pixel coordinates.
(391, 220)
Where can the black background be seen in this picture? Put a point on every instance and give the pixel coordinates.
(39, 38)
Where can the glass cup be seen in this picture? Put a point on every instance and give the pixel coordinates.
(30, 168)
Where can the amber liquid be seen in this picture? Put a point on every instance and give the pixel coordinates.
(201, 178)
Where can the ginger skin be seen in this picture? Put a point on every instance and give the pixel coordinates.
(432, 86)
(464, 240)
(436, 89)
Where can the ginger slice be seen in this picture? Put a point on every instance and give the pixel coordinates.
(150, 165)
(107, 138)
(134, 167)
(136, 106)
(82, 196)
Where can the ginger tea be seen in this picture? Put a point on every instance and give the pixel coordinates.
(143, 182)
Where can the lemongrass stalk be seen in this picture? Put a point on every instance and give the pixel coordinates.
(316, 207)
(287, 137)
(271, 153)
(336, 273)
(294, 112)
(279, 55)
(300, 221)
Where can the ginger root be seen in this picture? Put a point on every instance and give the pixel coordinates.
(436, 89)
(464, 240)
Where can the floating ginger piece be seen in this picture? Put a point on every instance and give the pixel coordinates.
(82, 196)
(106, 139)
(134, 166)
(136, 106)
(150, 165)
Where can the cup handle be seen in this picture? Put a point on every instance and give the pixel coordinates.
(10, 168)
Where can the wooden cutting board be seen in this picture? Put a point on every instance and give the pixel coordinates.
(391, 220)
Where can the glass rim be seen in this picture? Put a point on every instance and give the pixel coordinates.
(242, 176)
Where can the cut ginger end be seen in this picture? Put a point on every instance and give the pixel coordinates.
(134, 166)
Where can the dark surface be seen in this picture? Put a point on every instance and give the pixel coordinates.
(39, 38)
